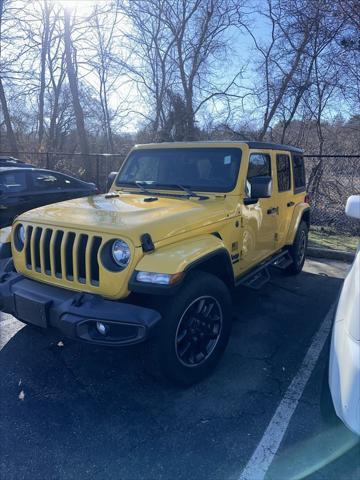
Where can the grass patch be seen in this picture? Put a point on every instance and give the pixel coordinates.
(322, 238)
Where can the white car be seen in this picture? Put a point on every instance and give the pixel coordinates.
(344, 366)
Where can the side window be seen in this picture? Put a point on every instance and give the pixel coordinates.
(299, 172)
(46, 181)
(68, 182)
(283, 172)
(259, 165)
(13, 182)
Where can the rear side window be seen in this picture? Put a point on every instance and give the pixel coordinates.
(283, 172)
(259, 165)
(13, 182)
(68, 182)
(299, 172)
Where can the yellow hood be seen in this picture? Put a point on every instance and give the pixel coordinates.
(131, 216)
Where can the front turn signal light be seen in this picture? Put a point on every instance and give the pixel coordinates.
(159, 278)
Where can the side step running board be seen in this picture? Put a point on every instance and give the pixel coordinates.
(260, 275)
(283, 262)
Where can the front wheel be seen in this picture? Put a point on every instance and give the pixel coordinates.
(297, 250)
(195, 329)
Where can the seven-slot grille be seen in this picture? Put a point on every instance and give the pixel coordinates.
(62, 254)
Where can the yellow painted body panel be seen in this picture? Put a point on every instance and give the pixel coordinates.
(182, 229)
(299, 208)
(177, 257)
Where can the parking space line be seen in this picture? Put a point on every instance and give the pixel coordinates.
(8, 328)
(269, 444)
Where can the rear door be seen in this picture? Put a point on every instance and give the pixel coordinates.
(73, 188)
(283, 184)
(46, 187)
(53, 187)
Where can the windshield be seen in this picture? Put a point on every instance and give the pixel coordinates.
(203, 169)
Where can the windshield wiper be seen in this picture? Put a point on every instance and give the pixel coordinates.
(191, 193)
(139, 184)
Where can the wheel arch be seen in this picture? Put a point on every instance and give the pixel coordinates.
(301, 213)
(206, 253)
(217, 263)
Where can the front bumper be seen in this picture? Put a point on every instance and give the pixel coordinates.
(75, 314)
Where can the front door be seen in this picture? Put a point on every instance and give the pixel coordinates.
(14, 195)
(259, 219)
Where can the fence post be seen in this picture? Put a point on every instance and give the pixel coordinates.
(97, 170)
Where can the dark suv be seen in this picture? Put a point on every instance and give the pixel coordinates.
(24, 188)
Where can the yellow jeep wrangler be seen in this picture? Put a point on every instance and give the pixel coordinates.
(156, 258)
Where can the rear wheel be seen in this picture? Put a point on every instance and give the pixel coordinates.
(195, 330)
(297, 250)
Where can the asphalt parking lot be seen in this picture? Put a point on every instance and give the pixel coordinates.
(69, 410)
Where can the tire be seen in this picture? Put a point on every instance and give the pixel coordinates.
(297, 250)
(194, 331)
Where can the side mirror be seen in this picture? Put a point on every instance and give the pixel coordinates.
(261, 187)
(110, 180)
(353, 206)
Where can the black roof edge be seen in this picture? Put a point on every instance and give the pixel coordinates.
(274, 146)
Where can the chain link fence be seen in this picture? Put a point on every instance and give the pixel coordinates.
(331, 180)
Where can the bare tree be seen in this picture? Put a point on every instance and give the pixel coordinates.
(57, 72)
(74, 88)
(45, 41)
(180, 45)
(3, 101)
(300, 32)
(70, 80)
(104, 62)
(198, 28)
(150, 65)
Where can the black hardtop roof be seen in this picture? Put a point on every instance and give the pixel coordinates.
(254, 144)
(274, 146)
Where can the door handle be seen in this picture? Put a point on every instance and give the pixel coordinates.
(273, 211)
(290, 204)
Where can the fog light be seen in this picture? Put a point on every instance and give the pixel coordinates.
(102, 328)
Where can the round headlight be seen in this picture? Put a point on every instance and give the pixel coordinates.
(121, 253)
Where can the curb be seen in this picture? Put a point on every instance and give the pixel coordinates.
(315, 252)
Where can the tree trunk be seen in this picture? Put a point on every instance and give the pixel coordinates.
(9, 130)
(74, 88)
(44, 49)
(284, 85)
